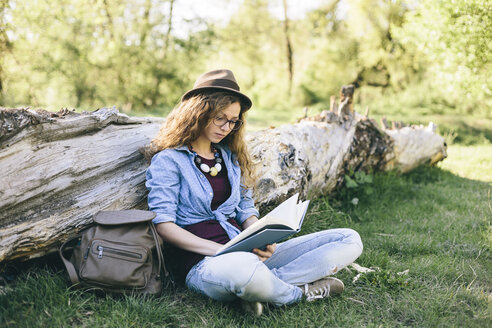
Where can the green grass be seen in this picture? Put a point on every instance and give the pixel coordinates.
(460, 156)
(434, 222)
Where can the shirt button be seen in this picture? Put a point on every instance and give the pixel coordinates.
(211, 194)
(201, 176)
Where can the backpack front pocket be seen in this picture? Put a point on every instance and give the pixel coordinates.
(116, 264)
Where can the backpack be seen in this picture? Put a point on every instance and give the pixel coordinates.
(121, 253)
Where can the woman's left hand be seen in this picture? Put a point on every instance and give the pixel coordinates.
(267, 253)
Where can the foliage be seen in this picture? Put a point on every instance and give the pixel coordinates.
(455, 40)
(357, 48)
(355, 185)
(141, 56)
(384, 279)
(94, 53)
(251, 46)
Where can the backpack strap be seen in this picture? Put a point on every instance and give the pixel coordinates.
(158, 244)
(74, 277)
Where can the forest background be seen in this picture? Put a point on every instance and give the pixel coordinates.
(416, 59)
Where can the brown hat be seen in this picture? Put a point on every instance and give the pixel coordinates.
(220, 79)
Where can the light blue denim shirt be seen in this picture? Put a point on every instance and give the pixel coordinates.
(180, 193)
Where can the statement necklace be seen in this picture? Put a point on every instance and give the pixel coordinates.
(214, 170)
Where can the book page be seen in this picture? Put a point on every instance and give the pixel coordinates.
(301, 211)
(285, 213)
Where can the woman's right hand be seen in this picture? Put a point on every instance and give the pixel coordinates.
(267, 253)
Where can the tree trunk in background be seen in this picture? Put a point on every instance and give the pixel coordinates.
(169, 28)
(4, 43)
(110, 19)
(58, 170)
(290, 63)
(147, 25)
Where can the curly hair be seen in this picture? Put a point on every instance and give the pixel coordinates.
(186, 122)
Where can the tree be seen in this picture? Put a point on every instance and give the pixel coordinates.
(455, 40)
(288, 46)
(252, 44)
(5, 44)
(100, 52)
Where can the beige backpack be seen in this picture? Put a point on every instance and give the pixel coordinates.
(121, 253)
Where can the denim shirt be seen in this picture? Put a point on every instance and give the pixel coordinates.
(180, 193)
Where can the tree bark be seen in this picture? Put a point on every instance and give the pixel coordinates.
(58, 170)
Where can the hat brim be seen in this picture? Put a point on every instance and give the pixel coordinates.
(243, 97)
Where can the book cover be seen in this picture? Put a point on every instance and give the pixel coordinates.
(282, 222)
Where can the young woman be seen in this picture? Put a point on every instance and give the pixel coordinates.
(199, 183)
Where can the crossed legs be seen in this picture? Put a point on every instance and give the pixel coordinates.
(295, 262)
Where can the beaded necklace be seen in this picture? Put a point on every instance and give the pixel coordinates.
(214, 170)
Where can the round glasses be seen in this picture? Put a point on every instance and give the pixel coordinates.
(233, 125)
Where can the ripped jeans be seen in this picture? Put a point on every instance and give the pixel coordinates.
(295, 262)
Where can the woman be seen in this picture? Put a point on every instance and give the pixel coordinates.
(199, 183)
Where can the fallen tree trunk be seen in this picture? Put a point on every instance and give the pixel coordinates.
(57, 170)
(314, 155)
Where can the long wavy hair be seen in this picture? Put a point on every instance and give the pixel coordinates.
(186, 122)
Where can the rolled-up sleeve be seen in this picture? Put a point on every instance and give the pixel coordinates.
(163, 183)
(246, 207)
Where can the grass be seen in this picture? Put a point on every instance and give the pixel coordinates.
(460, 156)
(434, 222)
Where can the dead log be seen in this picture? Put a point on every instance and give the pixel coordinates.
(313, 156)
(346, 96)
(57, 170)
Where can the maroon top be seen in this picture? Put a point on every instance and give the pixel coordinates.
(210, 229)
(220, 183)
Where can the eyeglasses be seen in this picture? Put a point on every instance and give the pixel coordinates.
(233, 125)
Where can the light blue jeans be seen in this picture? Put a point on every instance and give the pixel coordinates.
(295, 262)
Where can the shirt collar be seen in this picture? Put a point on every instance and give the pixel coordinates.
(183, 147)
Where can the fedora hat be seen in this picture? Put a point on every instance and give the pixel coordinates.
(221, 80)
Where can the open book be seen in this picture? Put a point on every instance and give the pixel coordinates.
(283, 221)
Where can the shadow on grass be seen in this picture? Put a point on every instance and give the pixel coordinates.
(465, 133)
(393, 190)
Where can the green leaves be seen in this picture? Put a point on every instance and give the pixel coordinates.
(90, 54)
(356, 184)
(453, 40)
(350, 183)
(141, 55)
(384, 279)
